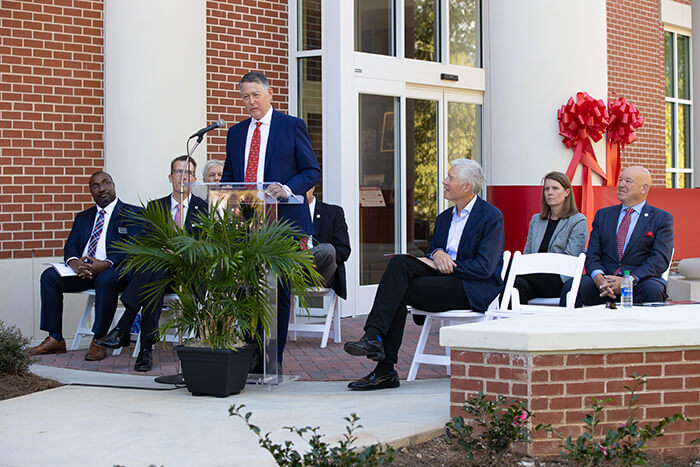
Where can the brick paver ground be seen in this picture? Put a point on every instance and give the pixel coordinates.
(303, 358)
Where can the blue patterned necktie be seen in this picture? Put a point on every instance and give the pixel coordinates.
(96, 232)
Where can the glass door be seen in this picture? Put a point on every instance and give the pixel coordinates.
(405, 145)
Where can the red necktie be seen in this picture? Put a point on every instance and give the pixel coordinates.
(178, 215)
(622, 232)
(622, 235)
(251, 171)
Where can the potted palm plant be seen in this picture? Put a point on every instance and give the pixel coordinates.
(222, 273)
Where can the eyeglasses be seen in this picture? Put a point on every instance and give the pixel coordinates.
(190, 173)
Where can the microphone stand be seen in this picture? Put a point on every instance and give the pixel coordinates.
(179, 379)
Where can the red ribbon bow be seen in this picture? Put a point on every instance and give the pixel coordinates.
(649, 234)
(624, 120)
(579, 122)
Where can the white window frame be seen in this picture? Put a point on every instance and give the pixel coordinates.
(675, 101)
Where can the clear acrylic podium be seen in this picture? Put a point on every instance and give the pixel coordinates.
(252, 201)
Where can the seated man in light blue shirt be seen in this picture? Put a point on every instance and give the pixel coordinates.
(632, 236)
(461, 270)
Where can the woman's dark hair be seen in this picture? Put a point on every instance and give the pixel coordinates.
(569, 208)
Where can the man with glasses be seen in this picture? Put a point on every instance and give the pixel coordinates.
(183, 208)
(92, 262)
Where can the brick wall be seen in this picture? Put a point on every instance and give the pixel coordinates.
(51, 119)
(559, 390)
(243, 36)
(636, 72)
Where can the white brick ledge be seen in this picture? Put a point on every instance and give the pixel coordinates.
(593, 329)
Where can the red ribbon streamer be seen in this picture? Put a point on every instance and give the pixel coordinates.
(579, 122)
(624, 120)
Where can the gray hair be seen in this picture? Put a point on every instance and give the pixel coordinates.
(254, 77)
(209, 165)
(469, 171)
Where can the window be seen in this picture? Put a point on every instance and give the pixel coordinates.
(443, 31)
(308, 67)
(678, 111)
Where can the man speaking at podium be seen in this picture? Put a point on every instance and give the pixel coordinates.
(272, 147)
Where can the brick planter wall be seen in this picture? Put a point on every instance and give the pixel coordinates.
(559, 388)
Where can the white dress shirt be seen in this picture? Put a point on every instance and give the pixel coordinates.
(101, 250)
(184, 208)
(264, 136)
(459, 220)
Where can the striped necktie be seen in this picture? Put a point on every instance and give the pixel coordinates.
(96, 233)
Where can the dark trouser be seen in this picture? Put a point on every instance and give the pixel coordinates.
(107, 286)
(283, 302)
(652, 289)
(409, 281)
(324, 262)
(538, 286)
(134, 299)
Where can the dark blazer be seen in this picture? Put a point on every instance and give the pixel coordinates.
(121, 225)
(289, 160)
(648, 252)
(196, 205)
(330, 227)
(480, 253)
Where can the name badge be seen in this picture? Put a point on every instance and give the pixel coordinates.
(122, 230)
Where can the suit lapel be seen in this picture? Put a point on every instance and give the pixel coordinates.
(317, 218)
(239, 168)
(639, 228)
(113, 222)
(473, 216)
(275, 122)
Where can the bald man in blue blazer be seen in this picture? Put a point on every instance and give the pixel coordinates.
(646, 246)
(281, 146)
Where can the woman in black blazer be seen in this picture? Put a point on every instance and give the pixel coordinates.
(557, 228)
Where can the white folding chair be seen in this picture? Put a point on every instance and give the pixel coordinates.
(84, 325)
(668, 270)
(449, 317)
(331, 311)
(552, 263)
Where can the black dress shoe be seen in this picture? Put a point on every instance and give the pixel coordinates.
(114, 339)
(372, 349)
(372, 382)
(144, 362)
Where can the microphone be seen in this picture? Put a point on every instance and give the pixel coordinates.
(220, 123)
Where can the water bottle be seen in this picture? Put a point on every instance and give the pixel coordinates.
(626, 290)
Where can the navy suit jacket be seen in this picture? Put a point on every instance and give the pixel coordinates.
(330, 227)
(196, 206)
(289, 160)
(648, 251)
(480, 252)
(121, 226)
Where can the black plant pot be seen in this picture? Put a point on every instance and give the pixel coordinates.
(215, 372)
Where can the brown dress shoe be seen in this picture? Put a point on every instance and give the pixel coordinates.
(50, 345)
(95, 352)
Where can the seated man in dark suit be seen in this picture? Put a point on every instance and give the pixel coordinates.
(632, 236)
(462, 270)
(90, 253)
(181, 212)
(330, 242)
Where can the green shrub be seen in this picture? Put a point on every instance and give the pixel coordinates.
(14, 358)
(321, 453)
(500, 427)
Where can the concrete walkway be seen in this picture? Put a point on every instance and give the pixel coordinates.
(102, 420)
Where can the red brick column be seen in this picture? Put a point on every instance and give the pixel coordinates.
(51, 119)
(559, 388)
(636, 72)
(243, 36)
